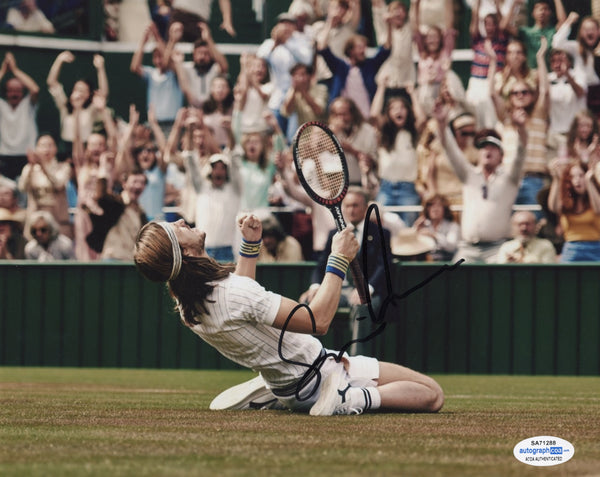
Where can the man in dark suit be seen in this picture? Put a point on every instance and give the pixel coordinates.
(354, 210)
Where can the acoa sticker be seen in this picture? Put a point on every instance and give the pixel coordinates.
(543, 451)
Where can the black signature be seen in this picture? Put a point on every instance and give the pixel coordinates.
(313, 370)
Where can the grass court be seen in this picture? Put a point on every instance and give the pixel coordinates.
(125, 422)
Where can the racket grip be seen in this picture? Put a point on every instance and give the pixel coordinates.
(359, 281)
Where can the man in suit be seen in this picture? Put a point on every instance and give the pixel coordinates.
(354, 210)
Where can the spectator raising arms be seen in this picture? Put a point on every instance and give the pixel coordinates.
(575, 198)
(355, 77)
(44, 180)
(399, 67)
(18, 127)
(400, 125)
(584, 50)
(435, 58)
(80, 99)
(195, 77)
(252, 92)
(163, 92)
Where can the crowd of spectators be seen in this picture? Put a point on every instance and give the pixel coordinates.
(445, 162)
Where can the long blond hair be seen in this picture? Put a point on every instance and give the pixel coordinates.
(153, 257)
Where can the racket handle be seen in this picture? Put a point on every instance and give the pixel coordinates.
(359, 281)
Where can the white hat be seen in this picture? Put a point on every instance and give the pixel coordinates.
(224, 158)
(408, 242)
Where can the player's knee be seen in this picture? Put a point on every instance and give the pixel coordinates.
(437, 399)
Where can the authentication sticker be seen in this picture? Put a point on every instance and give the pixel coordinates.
(543, 451)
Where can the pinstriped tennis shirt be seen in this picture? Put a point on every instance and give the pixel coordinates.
(238, 325)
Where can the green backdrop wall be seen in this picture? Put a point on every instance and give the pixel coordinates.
(502, 319)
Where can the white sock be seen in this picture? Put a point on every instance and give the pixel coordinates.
(367, 398)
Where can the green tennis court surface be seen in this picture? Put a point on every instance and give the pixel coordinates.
(107, 422)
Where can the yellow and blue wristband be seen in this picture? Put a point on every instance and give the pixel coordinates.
(250, 249)
(337, 264)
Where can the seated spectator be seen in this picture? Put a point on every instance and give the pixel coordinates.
(44, 180)
(12, 242)
(278, 246)
(438, 222)
(18, 114)
(47, 244)
(354, 209)
(526, 247)
(28, 17)
(408, 245)
(574, 196)
(321, 219)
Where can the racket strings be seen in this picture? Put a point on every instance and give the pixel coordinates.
(321, 163)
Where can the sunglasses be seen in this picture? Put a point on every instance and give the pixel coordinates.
(521, 92)
(42, 230)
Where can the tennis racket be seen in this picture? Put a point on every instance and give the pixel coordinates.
(323, 172)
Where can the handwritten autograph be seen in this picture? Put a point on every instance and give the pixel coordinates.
(314, 369)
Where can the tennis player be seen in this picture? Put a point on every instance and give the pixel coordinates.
(228, 309)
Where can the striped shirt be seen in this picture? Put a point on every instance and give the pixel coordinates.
(239, 325)
(481, 60)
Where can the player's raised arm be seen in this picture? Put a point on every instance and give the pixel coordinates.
(325, 303)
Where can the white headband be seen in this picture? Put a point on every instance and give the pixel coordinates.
(177, 258)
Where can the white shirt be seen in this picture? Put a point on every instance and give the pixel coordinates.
(239, 325)
(18, 128)
(485, 219)
(280, 60)
(400, 164)
(200, 84)
(564, 103)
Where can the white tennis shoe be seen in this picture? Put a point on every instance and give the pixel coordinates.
(252, 394)
(334, 397)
